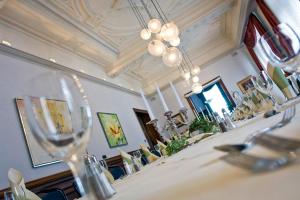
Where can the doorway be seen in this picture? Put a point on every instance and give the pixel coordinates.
(150, 133)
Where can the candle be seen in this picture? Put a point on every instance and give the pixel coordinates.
(209, 113)
(202, 113)
(162, 99)
(176, 95)
(152, 117)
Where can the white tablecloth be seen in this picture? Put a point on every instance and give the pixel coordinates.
(197, 173)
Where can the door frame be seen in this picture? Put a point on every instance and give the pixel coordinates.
(136, 111)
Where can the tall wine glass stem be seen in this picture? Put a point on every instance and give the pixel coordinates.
(276, 106)
(78, 168)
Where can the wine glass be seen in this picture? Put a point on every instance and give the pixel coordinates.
(264, 84)
(138, 156)
(60, 119)
(282, 47)
(238, 98)
(157, 149)
(9, 196)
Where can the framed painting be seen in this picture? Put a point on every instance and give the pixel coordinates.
(245, 84)
(60, 115)
(179, 120)
(112, 129)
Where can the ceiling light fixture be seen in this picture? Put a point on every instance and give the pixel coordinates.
(164, 39)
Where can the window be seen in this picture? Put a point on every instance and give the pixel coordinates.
(213, 98)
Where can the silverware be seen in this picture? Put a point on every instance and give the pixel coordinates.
(258, 164)
(261, 137)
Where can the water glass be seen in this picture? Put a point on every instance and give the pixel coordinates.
(282, 47)
(264, 84)
(9, 196)
(60, 119)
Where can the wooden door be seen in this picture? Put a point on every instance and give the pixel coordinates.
(150, 133)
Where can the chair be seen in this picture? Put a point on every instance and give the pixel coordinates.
(155, 152)
(55, 193)
(116, 171)
(144, 160)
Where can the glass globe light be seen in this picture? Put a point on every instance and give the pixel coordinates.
(158, 36)
(186, 75)
(145, 34)
(156, 48)
(197, 88)
(154, 25)
(169, 31)
(196, 70)
(195, 79)
(172, 57)
(175, 42)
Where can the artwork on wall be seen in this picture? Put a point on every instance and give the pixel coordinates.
(112, 129)
(245, 84)
(60, 115)
(179, 120)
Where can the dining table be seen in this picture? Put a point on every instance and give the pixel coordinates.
(197, 172)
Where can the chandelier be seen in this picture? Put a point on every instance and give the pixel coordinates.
(164, 40)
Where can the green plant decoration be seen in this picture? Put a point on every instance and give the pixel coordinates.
(203, 125)
(175, 146)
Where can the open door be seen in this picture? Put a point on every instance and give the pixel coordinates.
(150, 133)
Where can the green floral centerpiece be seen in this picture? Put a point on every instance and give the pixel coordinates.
(203, 125)
(175, 146)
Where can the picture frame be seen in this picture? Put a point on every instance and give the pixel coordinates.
(178, 118)
(245, 84)
(112, 129)
(38, 156)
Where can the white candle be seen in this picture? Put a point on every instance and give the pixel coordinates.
(176, 95)
(161, 97)
(152, 117)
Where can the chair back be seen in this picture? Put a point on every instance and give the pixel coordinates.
(55, 194)
(116, 171)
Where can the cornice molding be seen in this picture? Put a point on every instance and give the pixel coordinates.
(10, 51)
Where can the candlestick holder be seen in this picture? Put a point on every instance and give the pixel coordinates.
(170, 125)
(183, 111)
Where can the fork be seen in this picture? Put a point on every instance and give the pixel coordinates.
(261, 137)
(258, 164)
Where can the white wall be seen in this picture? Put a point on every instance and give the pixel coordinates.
(14, 82)
(230, 68)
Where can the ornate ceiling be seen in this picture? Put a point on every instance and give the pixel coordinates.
(107, 33)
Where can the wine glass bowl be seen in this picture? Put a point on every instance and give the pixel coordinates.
(59, 114)
(282, 47)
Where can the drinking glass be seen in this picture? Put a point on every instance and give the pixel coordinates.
(138, 155)
(157, 149)
(264, 84)
(238, 98)
(9, 196)
(282, 47)
(60, 119)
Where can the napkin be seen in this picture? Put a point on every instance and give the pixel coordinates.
(150, 156)
(16, 181)
(126, 157)
(162, 147)
(281, 81)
